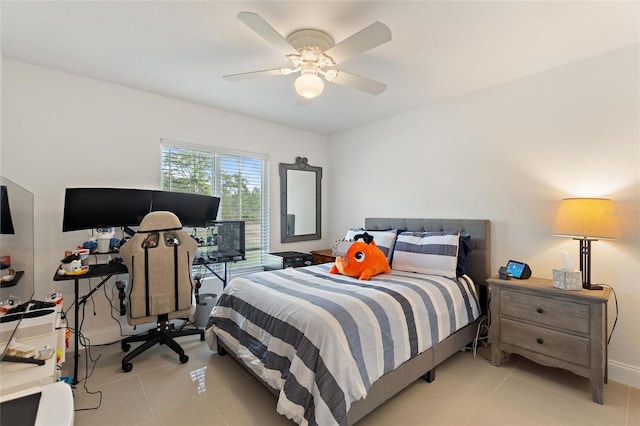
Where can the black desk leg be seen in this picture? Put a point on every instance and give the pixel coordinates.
(81, 301)
(76, 333)
(224, 278)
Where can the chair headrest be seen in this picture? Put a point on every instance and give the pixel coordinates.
(159, 221)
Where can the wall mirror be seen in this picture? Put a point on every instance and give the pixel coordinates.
(16, 242)
(300, 201)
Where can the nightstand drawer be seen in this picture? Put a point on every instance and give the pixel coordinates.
(544, 341)
(558, 314)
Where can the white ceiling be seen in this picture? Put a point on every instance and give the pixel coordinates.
(439, 50)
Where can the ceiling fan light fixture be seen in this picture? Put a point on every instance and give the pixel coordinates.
(309, 85)
(314, 54)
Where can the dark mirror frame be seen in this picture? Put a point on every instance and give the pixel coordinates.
(20, 243)
(301, 164)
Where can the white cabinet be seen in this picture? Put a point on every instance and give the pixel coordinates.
(38, 332)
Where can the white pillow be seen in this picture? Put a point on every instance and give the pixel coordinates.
(434, 253)
(385, 240)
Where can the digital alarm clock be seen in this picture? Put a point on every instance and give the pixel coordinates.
(519, 270)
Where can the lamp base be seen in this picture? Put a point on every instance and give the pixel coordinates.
(592, 287)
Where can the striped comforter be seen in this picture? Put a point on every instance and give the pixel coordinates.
(323, 339)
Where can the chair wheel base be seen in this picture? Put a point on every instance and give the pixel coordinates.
(127, 366)
(184, 358)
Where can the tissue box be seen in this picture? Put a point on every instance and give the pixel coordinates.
(567, 280)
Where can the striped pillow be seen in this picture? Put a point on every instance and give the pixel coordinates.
(385, 240)
(434, 253)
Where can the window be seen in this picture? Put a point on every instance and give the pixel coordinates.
(240, 179)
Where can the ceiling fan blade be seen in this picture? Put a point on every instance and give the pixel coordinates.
(266, 31)
(264, 73)
(358, 82)
(372, 36)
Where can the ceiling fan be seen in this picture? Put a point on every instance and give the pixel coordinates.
(313, 54)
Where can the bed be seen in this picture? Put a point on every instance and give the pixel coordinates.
(333, 348)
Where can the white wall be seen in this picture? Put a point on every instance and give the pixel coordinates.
(510, 154)
(61, 130)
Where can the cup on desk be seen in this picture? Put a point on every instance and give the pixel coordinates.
(103, 245)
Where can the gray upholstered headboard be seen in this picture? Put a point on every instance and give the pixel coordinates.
(478, 229)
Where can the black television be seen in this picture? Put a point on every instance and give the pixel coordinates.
(226, 241)
(6, 223)
(193, 210)
(88, 208)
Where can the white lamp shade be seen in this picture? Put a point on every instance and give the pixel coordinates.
(592, 218)
(309, 85)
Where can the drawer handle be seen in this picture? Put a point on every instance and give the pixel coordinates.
(539, 340)
(539, 310)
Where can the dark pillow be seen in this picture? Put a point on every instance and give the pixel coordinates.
(464, 258)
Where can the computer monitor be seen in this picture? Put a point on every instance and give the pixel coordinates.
(193, 210)
(226, 241)
(87, 208)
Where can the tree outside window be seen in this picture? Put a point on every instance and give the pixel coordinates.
(241, 182)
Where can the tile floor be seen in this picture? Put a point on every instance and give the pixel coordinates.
(213, 390)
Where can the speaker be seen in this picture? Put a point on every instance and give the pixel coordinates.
(503, 273)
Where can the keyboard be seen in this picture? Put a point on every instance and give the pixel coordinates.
(29, 314)
(32, 304)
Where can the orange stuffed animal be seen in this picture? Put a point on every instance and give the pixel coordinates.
(363, 260)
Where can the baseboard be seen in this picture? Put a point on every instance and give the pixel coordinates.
(624, 373)
(106, 335)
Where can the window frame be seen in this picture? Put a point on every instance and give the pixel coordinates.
(217, 188)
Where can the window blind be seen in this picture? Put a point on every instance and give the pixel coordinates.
(240, 179)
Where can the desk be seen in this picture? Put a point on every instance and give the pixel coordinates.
(104, 272)
(36, 332)
(202, 261)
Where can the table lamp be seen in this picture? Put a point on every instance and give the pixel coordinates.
(586, 220)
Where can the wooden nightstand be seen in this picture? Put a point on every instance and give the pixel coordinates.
(558, 328)
(322, 256)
